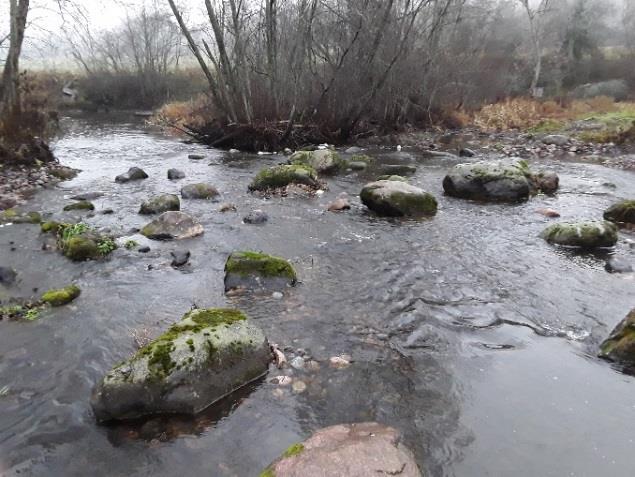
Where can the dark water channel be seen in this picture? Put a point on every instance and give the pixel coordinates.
(467, 331)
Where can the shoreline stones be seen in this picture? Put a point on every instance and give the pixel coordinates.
(254, 270)
(160, 204)
(398, 199)
(282, 176)
(623, 212)
(15, 217)
(323, 161)
(590, 234)
(199, 360)
(620, 345)
(347, 450)
(501, 181)
(199, 191)
(172, 225)
(133, 174)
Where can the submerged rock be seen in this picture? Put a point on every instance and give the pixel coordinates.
(324, 161)
(256, 217)
(227, 207)
(620, 345)
(397, 169)
(133, 174)
(392, 178)
(281, 176)
(87, 196)
(8, 275)
(550, 213)
(489, 181)
(61, 297)
(160, 204)
(175, 174)
(198, 361)
(351, 450)
(172, 225)
(617, 265)
(545, 182)
(80, 205)
(199, 191)
(398, 199)
(582, 234)
(339, 204)
(254, 270)
(196, 157)
(180, 257)
(357, 166)
(15, 217)
(623, 212)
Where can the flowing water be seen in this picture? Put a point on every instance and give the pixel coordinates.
(468, 333)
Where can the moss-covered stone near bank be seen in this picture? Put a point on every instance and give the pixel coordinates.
(284, 175)
(16, 217)
(323, 161)
(61, 296)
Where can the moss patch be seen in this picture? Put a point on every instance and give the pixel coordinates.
(50, 227)
(80, 205)
(622, 212)
(282, 176)
(61, 296)
(293, 450)
(12, 215)
(249, 263)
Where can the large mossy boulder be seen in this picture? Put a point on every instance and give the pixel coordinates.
(324, 161)
(281, 176)
(79, 242)
(254, 270)
(199, 191)
(504, 181)
(347, 450)
(488, 181)
(589, 234)
(204, 357)
(622, 213)
(173, 225)
(62, 296)
(160, 204)
(398, 199)
(133, 174)
(620, 345)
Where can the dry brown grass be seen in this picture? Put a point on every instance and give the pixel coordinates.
(181, 115)
(528, 114)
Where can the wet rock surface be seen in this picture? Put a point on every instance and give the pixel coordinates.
(202, 358)
(133, 174)
(173, 226)
(199, 191)
(589, 234)
(257, 271)
(398, 199)
(352, 450)
(160, 204)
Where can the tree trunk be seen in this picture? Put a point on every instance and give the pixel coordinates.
(10, 91)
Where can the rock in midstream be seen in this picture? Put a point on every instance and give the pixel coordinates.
(202, 358)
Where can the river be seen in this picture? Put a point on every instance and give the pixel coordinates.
(468, 332)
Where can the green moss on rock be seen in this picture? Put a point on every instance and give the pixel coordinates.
(623, 212)
(62, 296)
(620, 345)
(12, 215)
(248, 263)
(281, 176)
(80, 205)
(582, 234)
(398, 199)
(293, 450)
(80, 248)
(50, 227)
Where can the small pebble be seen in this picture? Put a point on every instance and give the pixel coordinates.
(299, 387)
(297, 362)
(339, 362)
(282, 380)
(277, 295)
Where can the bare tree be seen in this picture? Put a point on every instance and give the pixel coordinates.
(9, 88)
(535, 16)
